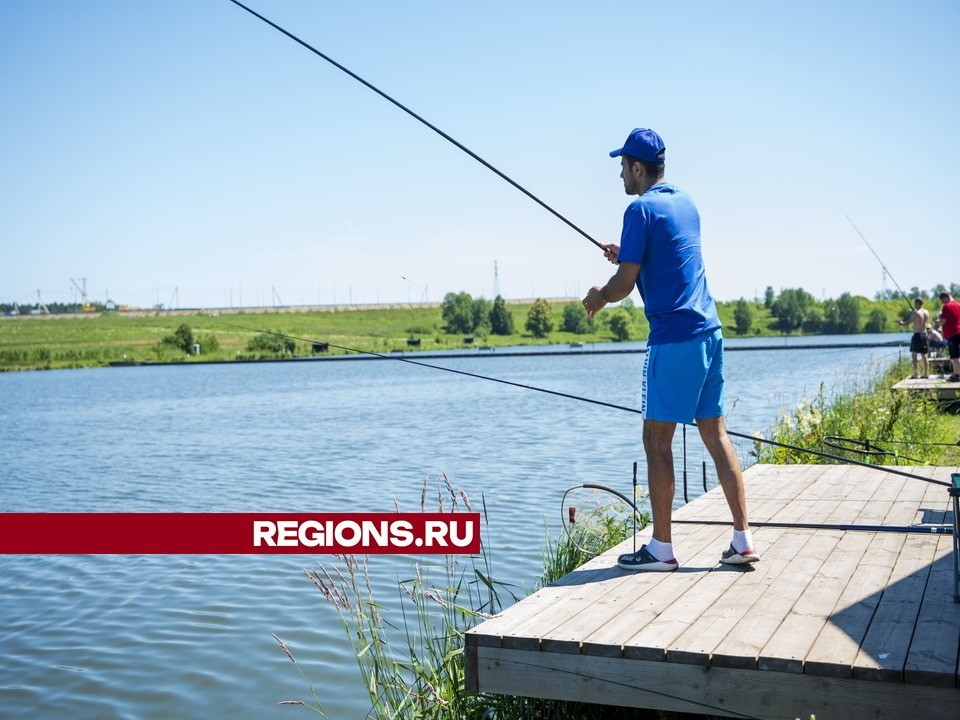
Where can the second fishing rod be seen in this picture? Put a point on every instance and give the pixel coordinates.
(580, 398)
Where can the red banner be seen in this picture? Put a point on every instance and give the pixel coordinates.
(239, 533)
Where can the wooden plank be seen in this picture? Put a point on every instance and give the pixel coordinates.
(713, 625)
(885, 495)
(778, 482)
(836, 647)
(907, 509)
(819, 478)
(471, 673)
(935, 647)
(742, 645)
(611, 629)
(883, 652)
(787, 648)
(938, 387)
(520, 626)
(491, 631)
(641, 590)
(937, 506)
(845, 481)
(625, 682)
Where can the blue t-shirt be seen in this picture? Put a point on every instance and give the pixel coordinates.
(661, 233)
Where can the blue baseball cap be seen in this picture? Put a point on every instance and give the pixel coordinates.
(643, 144)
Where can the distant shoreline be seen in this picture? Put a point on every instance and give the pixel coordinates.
(145, 336)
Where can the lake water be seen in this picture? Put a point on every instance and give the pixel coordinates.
(190, 636)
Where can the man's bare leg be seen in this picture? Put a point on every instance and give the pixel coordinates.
(658, 445)
(714, 436)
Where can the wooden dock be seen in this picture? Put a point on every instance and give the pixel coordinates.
(945, 392)
(841, 623)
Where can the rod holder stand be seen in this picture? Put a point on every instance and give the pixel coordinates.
(954, 491)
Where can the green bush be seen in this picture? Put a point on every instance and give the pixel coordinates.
(182, 339)
(462, 314)
(540, 319)
(576, 320)
(876, 322)
(209, 344)
(621, 324)
(271, 343)
(501, 319)
(743, 317)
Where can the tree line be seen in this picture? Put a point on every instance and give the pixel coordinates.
(794, 309)
(915, 292)
(464, 314)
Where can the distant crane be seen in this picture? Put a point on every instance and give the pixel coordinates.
(85, 305)
(41, 306)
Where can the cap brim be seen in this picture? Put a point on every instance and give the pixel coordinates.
(616, 153)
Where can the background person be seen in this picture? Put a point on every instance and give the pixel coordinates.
(919, 348)
(935, 340)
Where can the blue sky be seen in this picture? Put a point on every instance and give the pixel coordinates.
(185, 150)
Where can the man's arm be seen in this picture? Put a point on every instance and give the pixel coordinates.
(616, 289)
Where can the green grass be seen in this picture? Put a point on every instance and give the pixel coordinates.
(868, 409)
(94, 340)
(71, 341)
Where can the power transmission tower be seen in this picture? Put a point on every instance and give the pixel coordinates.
(496, 280)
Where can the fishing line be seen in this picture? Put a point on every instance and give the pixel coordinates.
(902, 294)
(414, 115)
(601, 403)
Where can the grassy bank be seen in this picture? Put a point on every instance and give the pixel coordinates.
(908, 429)
(93, 340)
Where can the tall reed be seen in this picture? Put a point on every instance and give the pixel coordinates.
(411, 657)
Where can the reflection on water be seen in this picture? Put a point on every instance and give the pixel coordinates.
(189, 636)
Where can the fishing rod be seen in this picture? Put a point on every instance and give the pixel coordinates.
(870, 247)
(865, 448)
(601, 403)
(926, 529)
(419, 118)
(570, 519)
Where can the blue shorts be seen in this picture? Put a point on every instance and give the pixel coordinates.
(684, 381)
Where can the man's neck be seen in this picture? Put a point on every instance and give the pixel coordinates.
(646, 184)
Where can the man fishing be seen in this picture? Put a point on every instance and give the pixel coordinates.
(919, 347)
(659, 252)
